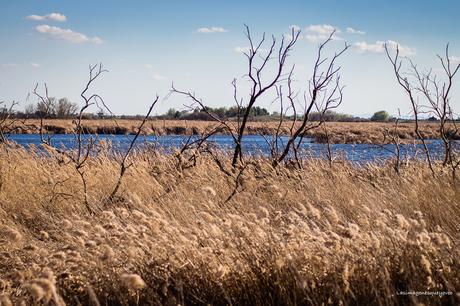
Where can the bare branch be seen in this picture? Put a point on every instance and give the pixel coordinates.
(258, 87)
(318, 86)
(405, 84)
(123, 165)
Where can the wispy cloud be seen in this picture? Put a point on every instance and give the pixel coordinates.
(248, 49)
(379, 47)
(320, 32)
(351, 30)
(159, 77)
(403, 50)
(363, 47)
(8, 65)
(155, 76)
(52, 17)
(294, 27)
(322, 29)
(35, 65)
(208, 30)
(241, 49)
(66, 34)
(454, 60)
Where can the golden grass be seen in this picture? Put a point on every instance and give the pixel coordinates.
(341, 235)
(340, 132)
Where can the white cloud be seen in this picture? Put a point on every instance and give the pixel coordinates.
(363, 47)
(96, 40)
(403, 50)
(350, 30)
(53, 16)
(379, 47)
(155, 76)
(159, 77)
(35, 65)
(322, 29)
(247, 50)
(321, 32)
(294, 27)
(211, 30)
(67, 35)
(241, 49)
(454, 60)
(318, 38)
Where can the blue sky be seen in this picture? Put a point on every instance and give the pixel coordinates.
(146, 45)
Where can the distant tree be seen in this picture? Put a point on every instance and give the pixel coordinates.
(30, 110)
(100, 114)
(65, 109)
(218, 112)
(46, 108)
(173, 113)
(380, 116)
(329, 115)
(258, 111)
(233, 112)
(51, 108)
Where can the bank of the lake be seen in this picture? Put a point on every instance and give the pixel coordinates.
(339, 132)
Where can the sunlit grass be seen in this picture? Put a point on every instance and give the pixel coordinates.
(318, 235)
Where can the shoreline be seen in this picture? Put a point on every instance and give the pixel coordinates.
(338, 132)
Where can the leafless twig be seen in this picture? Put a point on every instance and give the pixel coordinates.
(123, 165)
(325, 84)
(410, 91)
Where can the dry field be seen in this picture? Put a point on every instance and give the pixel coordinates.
(340, 132)
(320, 235)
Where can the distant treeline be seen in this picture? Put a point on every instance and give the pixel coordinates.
(221, 112)
(256, 113)
(51, 108)
(63, 108)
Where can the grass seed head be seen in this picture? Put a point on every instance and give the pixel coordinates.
(133, 281)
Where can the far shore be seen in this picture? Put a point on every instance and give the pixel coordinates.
(338, 132)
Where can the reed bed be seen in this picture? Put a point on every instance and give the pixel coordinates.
(337, 235)
(339, 132)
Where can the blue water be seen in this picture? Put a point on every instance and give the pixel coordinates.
(252, 144)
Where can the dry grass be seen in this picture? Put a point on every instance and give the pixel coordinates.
(340, 132)
(315, 236)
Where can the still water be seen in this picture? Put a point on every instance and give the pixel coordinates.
(252, 144)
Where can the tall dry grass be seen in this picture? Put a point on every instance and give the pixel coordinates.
(320, 235)
(339, 132)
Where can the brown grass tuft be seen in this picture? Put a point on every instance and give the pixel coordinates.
(342, 235)
(133, 281)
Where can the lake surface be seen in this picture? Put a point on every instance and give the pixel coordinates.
(252, 144)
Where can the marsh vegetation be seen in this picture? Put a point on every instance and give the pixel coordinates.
(182, 234)
(198, 225)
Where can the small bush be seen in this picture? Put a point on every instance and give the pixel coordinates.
(380, 116)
